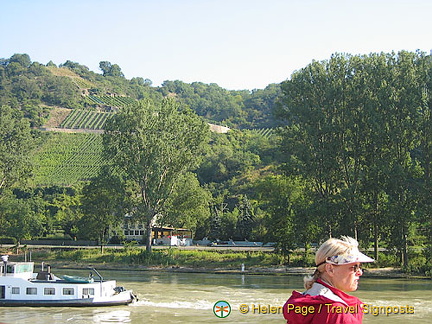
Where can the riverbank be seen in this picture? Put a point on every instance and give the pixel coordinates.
(249, 262)
(388, 272)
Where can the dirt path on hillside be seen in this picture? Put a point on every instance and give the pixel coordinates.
(57, 115)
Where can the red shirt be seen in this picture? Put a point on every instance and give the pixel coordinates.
(323, 304)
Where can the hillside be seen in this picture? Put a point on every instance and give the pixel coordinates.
(37, 88)
(75, 101)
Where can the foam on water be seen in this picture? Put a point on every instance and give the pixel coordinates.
(199, 304)
(118, 316)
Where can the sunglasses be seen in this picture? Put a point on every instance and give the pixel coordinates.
(356, 268)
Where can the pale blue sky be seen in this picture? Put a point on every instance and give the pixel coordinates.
(238, 44)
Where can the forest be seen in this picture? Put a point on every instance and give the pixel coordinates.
(342, 147)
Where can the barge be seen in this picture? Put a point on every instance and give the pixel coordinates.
(21, 286)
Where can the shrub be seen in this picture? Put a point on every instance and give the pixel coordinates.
(8, 240)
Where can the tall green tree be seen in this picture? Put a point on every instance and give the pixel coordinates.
(188, 206)
(282, 199)
(315, 142)
(246, 219)
(109, 69)
(352, 130)
(152, 145)
(21, 218)
(16, 142)
(103, 205)
(425, 152)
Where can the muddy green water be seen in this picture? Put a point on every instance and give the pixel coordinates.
(190, 297)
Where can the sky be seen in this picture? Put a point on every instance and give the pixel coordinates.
(237, 44)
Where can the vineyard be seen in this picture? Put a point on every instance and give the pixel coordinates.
(82, 83)
(264, 132)
(85, 119)
(65, 159)
(112, 101)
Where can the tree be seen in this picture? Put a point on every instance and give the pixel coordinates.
(21, 218)
(22, 59)
(103, 207)
(109, 69)
(425, 148)
(66, 204)
(188, 206)
(315, 140)
(246, 218)
(283, 200)
(152, 145)
(352, 128)
(216, 230)
(15, 143)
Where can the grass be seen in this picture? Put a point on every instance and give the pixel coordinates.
(134, 256)
(169, 257)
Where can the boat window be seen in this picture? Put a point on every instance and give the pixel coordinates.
(15, 290)
(88, 291)
(31, 291)
(23, 267)
(49, 291)
(68, 291)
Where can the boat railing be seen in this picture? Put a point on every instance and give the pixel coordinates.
(97, 273)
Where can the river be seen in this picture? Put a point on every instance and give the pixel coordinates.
(167, 297)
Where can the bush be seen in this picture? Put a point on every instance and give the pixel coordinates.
(8, 240)
(116, 240)
(386, 259)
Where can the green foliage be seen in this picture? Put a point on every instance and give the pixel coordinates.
(246, 219)
(8, 240)
(109, 69)
(166, 257)
(153, 145)
(65, 159)
(352, 133)
(227, 159)
(241, 109)
(15, 144)
(356, 153)
(187, 207)
(102, 206)
(20, 218)
(33, 86)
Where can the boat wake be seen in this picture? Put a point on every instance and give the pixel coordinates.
(119, 316)
(199, 304)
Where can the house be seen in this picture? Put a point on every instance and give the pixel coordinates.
(161, 235)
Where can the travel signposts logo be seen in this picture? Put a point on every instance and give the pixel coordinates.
(222, 309)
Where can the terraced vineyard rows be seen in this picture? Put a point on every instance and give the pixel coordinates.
(82, 83)
(65, 159)
(113, 101)
(264, 132)
(85, 119)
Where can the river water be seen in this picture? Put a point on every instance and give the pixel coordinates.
(168, 297)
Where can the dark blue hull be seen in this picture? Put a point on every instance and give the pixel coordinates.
(87, 302)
